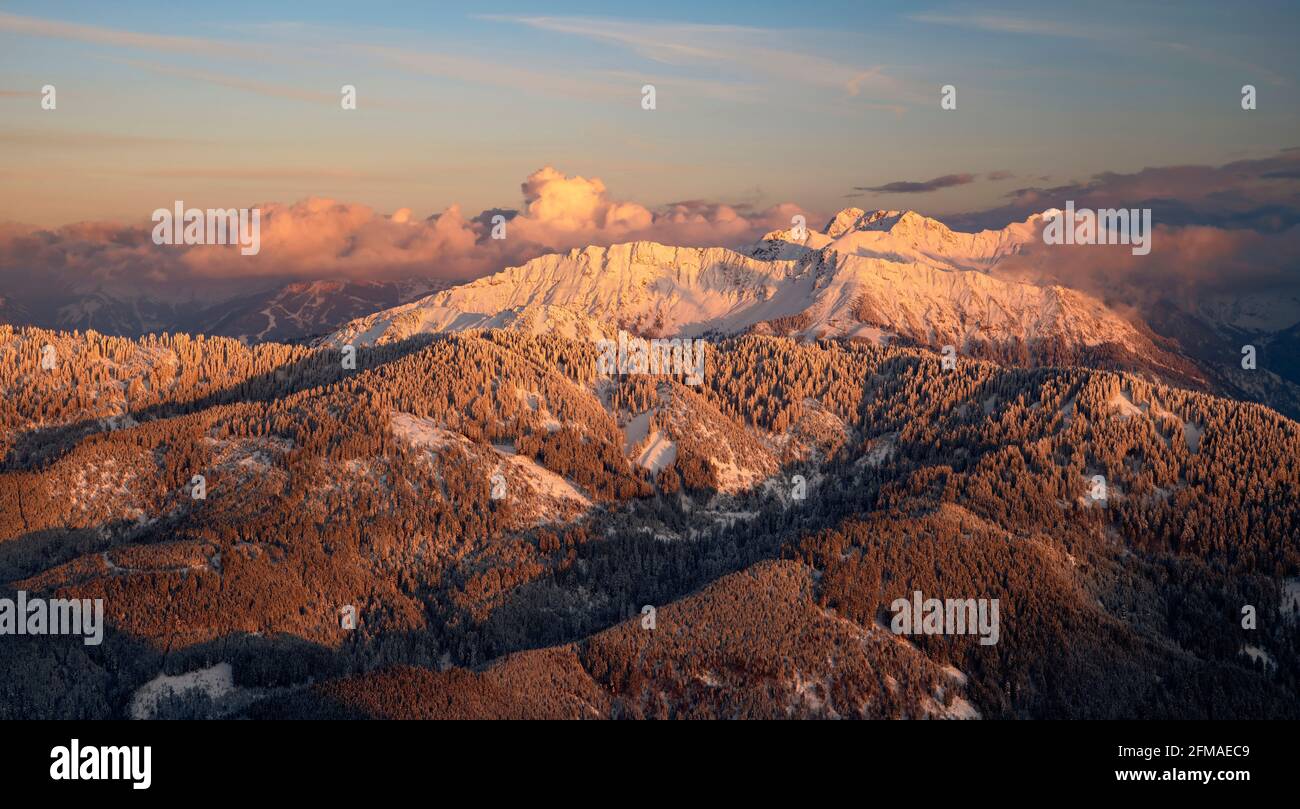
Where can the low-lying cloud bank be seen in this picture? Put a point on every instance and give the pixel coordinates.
(1229, 229)
(324, 238)
(1186, 265)
(1261, 194)
(1225, 230)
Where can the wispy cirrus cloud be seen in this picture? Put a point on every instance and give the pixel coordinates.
(1205, 53)
(499, 71)
(1012, 24)
(746, 49)
(530, 79)
(98, 35)
(474, 70)
(752, 60)
(258, 174)
(271, 89)
(88, 139)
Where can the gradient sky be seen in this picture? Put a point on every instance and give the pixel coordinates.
(237, 103)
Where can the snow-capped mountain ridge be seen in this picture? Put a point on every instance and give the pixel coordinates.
(851, 219)
(904, 236)
(887, 275)
(643, 286)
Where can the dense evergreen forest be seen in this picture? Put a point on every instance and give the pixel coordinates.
(498, 514)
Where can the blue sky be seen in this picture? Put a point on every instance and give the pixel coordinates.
(758, 103)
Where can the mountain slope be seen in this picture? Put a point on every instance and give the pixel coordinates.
(307, 309)
(879, 277)
(372, 488)
(275, 312)
(754, 644)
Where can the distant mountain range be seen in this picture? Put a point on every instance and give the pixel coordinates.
(273, 313)
(519, 532)
(882, 276)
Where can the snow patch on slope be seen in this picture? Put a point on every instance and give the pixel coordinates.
(216, 682)
(659, 453)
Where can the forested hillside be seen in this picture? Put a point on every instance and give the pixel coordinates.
(497, 514)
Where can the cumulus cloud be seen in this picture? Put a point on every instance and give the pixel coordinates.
(556, 206)
(324, 238)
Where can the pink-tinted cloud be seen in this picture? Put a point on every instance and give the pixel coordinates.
(1186, 262)
(33, 26)
(561, 212)
(557, 207)
(323, 238)
(1257, 194)
(1231, 229)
